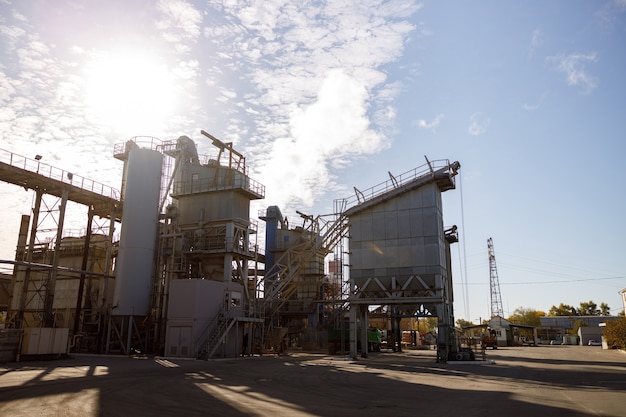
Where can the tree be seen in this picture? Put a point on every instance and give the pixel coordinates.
(588, 309)
(462, 323)
(615, 333)
(605, 310)
(562, 310)
(526, 316)
(428, 324)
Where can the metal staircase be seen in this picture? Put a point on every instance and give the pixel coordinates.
(319, 238)
(215, 334)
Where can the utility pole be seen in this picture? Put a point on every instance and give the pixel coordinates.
(494, 284)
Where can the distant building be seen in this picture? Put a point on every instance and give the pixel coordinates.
(554, 328)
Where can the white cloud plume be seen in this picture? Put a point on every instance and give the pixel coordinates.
(333, 127)
(535, 40)
(574, 66)
(479, 123)
(423, 124)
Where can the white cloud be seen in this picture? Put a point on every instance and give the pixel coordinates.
(535, 106)
(333, 127)
(608, 14)
(423, 124)
(312, 81)
(478, 124)
(574, 66)
(180, 23)
(535, 40)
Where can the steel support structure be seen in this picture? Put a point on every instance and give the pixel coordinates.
(494, 283)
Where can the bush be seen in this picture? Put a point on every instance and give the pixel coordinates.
(615, 334)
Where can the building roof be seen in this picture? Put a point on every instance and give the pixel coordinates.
(568, 322)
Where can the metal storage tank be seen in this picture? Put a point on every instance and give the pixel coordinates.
(399, 238)
(133, 272)
(399, 249)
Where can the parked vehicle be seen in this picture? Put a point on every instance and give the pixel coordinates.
(594, 343)
(489, 340)
(527, 341)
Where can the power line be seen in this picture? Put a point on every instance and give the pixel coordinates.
(562, 281)
(464, 275)
(563, 266)
(552, 282)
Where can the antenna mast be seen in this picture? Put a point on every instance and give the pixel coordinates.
(494, 284)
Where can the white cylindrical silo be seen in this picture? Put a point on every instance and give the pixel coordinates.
(134, 264)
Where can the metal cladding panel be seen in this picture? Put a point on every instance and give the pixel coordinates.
(195, 299)
(401, 236)
(216, 205)
(133, 272)
(193, 305)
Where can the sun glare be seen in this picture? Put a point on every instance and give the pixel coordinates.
(130, 92)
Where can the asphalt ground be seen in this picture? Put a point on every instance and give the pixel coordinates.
(522, 381)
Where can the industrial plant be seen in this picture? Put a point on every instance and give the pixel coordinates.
(175, 264)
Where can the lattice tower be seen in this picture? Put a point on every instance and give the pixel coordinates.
(494, 284)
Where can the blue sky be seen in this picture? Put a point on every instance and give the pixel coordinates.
(324, 96)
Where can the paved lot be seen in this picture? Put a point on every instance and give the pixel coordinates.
(523, 381)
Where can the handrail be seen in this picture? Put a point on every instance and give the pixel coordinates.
(395, 181)
(222, 184)
(58, 174)
(143, 142)
(203, 339)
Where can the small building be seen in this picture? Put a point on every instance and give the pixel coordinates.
(587, 333)
(506, 333)
(502, 328)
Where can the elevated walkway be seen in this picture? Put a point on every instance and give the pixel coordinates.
(32, 174)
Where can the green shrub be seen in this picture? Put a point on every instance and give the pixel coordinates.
(615, 334)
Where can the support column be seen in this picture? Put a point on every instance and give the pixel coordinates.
(352, 324)
(18, 271)
(228, 257)
(50, 286)
(29, 259)
(398, 337)
(364, 327)
(105, 302)
(109, 260)
(352, 331)
(84, 265)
